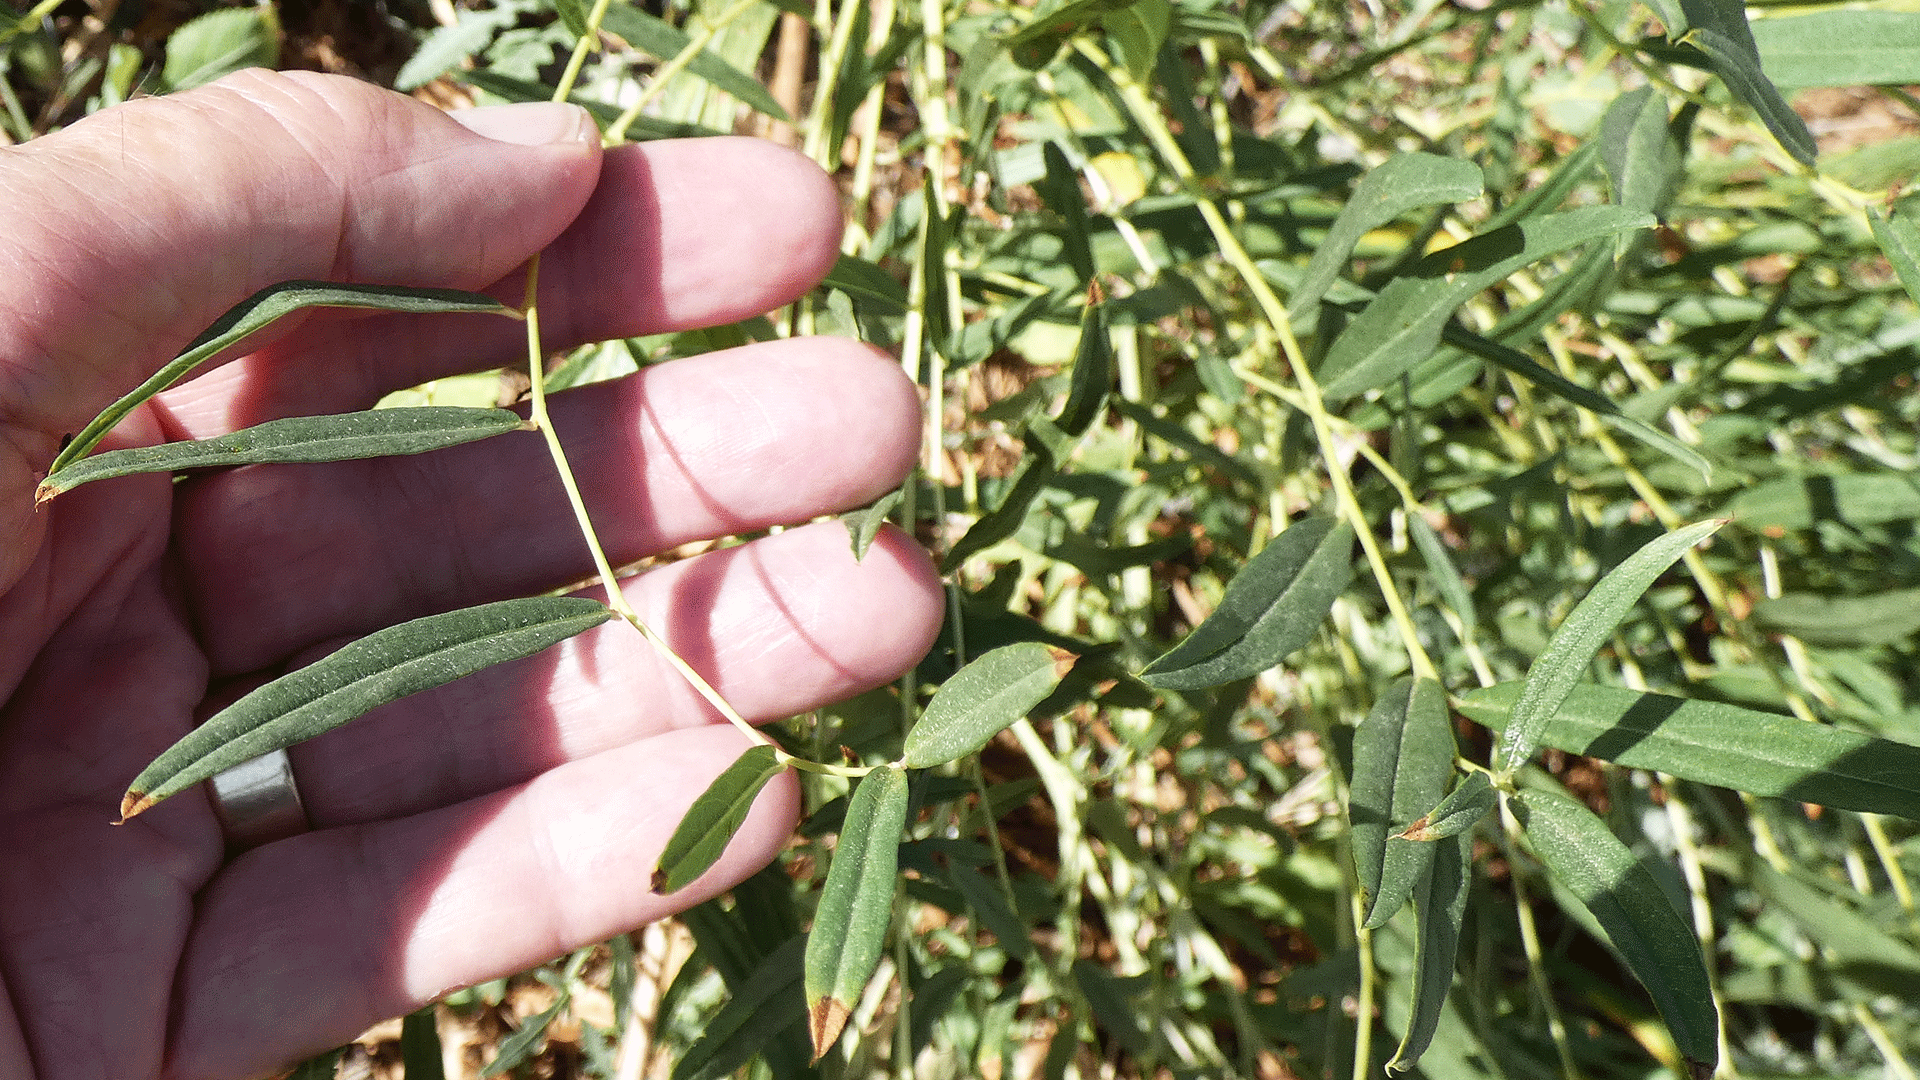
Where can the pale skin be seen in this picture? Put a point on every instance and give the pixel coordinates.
(507, 818)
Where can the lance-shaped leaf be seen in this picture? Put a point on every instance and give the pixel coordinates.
(1841, 47)
(1402, 326)
(1401, 183)
(765, 1004)
(1574, 645)
(981, 699)
(1900, 239)
(1719, 29)
(1441, 904)
(864, 525)
(856, 904)
(421, 1057)
(383, 666)
(1843, 621)
(1402, 756)
(1456, 813)
(663, 41)
(1642, 157)
(864, 280)
(1446, 577)
(254, 314)
(573, 15)
(1653, 939)
(1724, 745)
(1092, 372)
(527, 1038)
(714, 817)
(1028, 481)
(300, 439)
(1271, 608)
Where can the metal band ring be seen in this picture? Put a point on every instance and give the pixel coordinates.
(257, 801)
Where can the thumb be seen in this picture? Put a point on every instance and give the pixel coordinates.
(127, 233)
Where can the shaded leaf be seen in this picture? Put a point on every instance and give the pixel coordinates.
(1719, 29)
(1137, 30)
(1797, 502)
(865, 280)
(1446, 577)
(864, 525)
(420, 1055)
(981, 699)
(702, 836)
(1574, 645)
(856, 904)
(254, 314)
(1271, 608)
(1402, 326)
(1092, 373)
(573, 14)
(1900, 239)
(1029, 478)
(1112, 1000)
(1642, 158)
(767, 1003)
(1653, 939)
(1441, 904)
(988, 904)
(1724, 745)
(1402, 758)
(1848, 935)
(1843, 620)
(1403, 182)
(1457, 813)
(319, 1067)
(527, 1038)
(219, 43)
(1840, 48)
(304, 439)
(664, 41)
(383, 666)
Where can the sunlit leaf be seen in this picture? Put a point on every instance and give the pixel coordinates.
(856, 904)
(714, 817)
(981, 699)
(1272, 607)
(1092, 375)
(304, 439)
(1840, 47)
(1843, 621)
(1459, 811)
(254, 314)
(219, 43)
(1719, 29)
(526, 1039)
(864, 525)
(1402, 758)
(1899, 237)
(1574, 645)
(1029, 479)
(1797, 502)
(1643, 159)
(1402, 326)
(866, 281)
(663, 41)
(1402, 183)
(1715, 743)
(383, 666)
(1653, 939)
(573, 14)
(1440, 902)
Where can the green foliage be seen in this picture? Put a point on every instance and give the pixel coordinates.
(1487, 304)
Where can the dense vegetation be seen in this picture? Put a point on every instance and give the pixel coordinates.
(1405, 344)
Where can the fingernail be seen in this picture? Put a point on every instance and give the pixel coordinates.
(530, 123)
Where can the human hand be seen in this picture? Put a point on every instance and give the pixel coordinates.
(505, 818)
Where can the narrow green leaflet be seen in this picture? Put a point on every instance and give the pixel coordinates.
(1724, 745)
(1446, 577)
(306, 439)
(1900, 239)
(420, 1052)
(664, 41)
(1271, 608)
(1797, 502)
(713, 819)
(1441, 904)
(1403, 182)
(1642, 158)
(1092, 373)
(856, 904)
(1457, 813)
(1719, 29)
(1574, 645)
(255, 313)
(1841, 48)
(1843, 621)
(1402, 326)
(1137, 30)
(864, 525)
(1030, 478)
(320, 1067)
(1653, 939)
(981, 699)
(383, 666)
(1402, 758)
(864, 280)
(573, 13)
(1848, 935)
(527, 1038)
(1573, 169)
(766, 1004)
